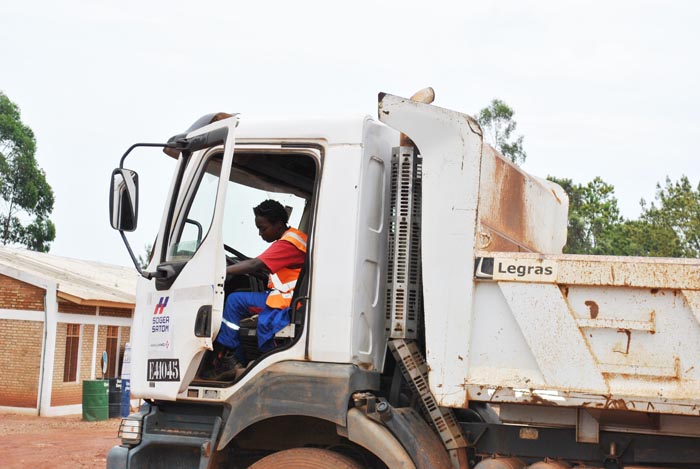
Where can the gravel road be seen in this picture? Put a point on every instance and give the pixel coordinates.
(55, 442)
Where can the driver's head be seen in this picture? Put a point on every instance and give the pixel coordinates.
(271, 219)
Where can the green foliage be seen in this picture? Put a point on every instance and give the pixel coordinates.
(593, 214)
(498, 125)
(641, 238)
(26, 199)
(145, 258)
(677, 210)
(668, 227)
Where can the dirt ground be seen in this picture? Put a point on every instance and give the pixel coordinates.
(55, 442)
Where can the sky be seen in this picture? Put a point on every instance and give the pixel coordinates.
(599, 88)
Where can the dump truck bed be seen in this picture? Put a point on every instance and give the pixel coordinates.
(590, 331)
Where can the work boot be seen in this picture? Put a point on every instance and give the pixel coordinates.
(223, 368)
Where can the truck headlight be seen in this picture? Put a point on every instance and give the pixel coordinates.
(130, 431)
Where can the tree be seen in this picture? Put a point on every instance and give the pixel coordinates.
(668, 227)
(498, 125)
(145, 258)
(677, 210)
(593, 216)
(642, 238)
(26, 198)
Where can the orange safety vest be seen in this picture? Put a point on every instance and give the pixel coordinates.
(282, 283)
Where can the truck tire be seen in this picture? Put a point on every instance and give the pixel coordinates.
(308, 458)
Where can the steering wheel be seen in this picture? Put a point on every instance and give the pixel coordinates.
(238, 257)
(238, 254)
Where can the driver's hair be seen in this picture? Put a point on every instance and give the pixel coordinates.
(271, 210)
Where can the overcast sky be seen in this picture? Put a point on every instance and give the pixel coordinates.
(600, 88)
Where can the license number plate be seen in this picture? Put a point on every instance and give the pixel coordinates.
(164, 369)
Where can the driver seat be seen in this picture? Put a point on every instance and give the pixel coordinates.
(286, 336)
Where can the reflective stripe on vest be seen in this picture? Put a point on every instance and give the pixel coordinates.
(296, 237)
(279, 300)
(283, 287)
(282, 282)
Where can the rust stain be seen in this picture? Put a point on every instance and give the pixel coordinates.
(564, 290)
(484, 240)
(629, 339)
(554, 193)
(509, 213)
(654, 291)
(618, 404)
(499, 242)
(593, 307)
(535, 399)
(677, 367)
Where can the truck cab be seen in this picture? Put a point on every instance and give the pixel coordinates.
(333, 176)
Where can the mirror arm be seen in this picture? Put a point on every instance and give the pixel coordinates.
(179, 145)
(145, 274)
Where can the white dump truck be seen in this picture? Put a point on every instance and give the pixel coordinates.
(435, 324)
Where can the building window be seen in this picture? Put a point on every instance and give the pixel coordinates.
(70, 365)
(112, 351)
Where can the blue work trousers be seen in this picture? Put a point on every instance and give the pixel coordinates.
(241, 305)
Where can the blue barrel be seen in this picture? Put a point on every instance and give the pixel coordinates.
(126, 397)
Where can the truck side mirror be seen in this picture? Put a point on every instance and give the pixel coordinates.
(124, 199)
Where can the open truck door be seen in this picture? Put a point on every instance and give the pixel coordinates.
(180, 296)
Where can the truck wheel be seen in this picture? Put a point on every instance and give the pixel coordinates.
(308, 458)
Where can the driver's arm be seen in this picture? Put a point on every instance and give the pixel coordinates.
(247, 266)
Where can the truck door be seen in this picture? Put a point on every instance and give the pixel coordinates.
(178, 313)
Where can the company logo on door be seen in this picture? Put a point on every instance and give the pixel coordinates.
(162, 303)
(161, 330)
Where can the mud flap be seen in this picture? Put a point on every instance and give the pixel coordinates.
(417, 437)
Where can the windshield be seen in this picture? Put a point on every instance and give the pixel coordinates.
(284, 176)
(195, 224)
(239, 225)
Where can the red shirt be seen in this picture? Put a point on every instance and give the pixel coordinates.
(282, 254)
